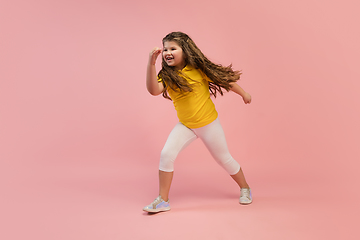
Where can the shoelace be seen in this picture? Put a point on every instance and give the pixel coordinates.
(157, 201)
(245, 193)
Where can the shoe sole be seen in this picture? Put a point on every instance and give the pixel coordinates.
(157, 210)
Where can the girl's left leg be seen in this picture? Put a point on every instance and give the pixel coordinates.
(240, 179)
(214, 139)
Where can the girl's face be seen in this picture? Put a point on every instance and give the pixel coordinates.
(173, 55)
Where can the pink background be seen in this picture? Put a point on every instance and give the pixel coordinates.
(80, 137)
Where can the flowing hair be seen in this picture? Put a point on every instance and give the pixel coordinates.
(220, 76)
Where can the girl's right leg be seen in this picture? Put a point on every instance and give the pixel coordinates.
(179, 138)
(165, 179)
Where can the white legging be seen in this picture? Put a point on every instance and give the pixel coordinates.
(213, 137)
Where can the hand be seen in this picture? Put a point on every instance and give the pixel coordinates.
(247, 98)
(153, 55)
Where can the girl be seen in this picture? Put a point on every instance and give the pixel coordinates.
(188, 78)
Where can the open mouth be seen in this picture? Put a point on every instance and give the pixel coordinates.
(168, 58)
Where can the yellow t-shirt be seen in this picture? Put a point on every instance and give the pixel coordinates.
(194, 109)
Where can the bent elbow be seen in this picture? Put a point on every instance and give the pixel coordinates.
(154, 93)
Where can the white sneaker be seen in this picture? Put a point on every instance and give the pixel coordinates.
(245, 196)
(158, 205)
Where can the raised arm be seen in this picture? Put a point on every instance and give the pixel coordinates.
(153, 86)
(237, 89)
